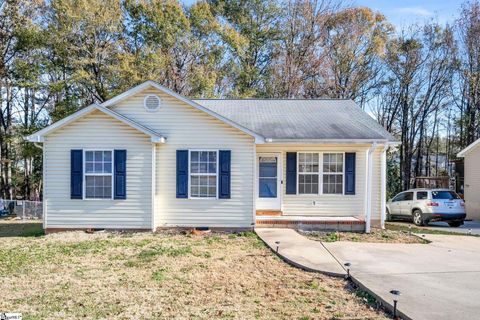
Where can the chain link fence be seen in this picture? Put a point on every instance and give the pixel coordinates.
(23, 209)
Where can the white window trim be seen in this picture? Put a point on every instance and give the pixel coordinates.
(84, 182)
(336, 173)
(200, 174)
(320, 174)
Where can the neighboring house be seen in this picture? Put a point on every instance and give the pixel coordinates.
(150, 158)
(472, 179)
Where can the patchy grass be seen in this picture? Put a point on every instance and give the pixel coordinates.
(20, 228)
(424, 230)
(143, 276)
(375, 236)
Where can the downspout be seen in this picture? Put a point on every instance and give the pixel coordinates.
(368, 187)
(255, 184)
(383, 187)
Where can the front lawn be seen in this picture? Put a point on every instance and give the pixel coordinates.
(143, 276)
(375, 236)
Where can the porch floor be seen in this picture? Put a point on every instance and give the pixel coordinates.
(325, 223)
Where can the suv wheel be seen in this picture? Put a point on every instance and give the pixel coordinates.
(455, 224)
(418, 219)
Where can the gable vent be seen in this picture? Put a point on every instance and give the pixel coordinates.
(151, 102)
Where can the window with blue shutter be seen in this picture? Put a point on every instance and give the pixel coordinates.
(350, 160)
(120, 174)
(182, 173)
(224, 171)
(291, 187)
(76, 174)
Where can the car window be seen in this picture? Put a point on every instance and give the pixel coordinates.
(408, 196)
(422, 195)
(399, 197)
(444, 195)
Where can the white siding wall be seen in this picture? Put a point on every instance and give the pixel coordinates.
(98, 131)
(188, 128)
(332, 205)
(472, 183)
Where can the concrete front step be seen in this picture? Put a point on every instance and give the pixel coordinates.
(309, 223)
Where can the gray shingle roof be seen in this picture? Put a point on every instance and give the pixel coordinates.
(300, 119)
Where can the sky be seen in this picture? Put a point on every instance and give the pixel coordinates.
(405, 12)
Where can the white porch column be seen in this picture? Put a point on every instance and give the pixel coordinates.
(383, 187)
(368, 186)
(154, 184)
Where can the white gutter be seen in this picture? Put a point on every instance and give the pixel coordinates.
(332, 141)
(368, 187)
(383, 187)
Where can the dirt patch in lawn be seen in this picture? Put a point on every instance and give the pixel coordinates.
(164, 276)
(375, 236)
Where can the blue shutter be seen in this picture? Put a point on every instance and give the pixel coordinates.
(76, 174)
(224, 172)
(291, 173)
(350, 173)
(120, 174)
(182, 173)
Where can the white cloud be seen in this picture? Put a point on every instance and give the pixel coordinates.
(419, 11)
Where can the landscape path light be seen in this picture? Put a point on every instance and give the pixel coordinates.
(395, 294)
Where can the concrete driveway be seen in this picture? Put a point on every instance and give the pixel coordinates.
(440, 280)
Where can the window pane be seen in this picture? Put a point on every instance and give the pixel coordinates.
(89, 167)
(98, 187)
(107, 168)
(203, 169)
(107, 156)
(308, 184)
(212, 167)
(333, 162)
(212, 157)
(308, 162)
(194, 168)
(421, 195)
(268, 169)
(267, 187)
(89, 156)
(98, 156)
(332, 184)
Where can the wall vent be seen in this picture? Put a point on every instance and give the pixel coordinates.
(151, 103)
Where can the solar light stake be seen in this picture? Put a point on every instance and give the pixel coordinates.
(278, 244)
(395, 293)
(409, 230)
(470, 231)
(348, 264)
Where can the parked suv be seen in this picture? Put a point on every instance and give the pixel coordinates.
(427, 205)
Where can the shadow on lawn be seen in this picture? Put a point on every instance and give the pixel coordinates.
(19, 228)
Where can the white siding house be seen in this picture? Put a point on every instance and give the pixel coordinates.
(472, 179)
(150, 158)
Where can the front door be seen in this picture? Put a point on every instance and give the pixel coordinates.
(269, 182)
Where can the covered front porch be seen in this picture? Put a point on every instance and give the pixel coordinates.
(331, 187)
